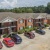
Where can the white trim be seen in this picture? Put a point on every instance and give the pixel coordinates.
(8, 19)
(40, 17)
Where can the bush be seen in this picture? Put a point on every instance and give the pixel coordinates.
(27, 30)
(46, 25)
(30, 29)
(4, 35)
(21, 31)
(35, 28)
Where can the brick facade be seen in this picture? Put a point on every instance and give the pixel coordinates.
(29, 23)
(35, 22)
(48, 21)
(22, 23)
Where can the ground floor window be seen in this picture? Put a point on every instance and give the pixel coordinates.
(21, 28)
(30, 26)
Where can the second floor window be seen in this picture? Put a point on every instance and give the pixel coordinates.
(20, 28)
(21, 21)
(29, 20)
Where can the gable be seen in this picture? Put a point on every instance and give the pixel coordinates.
(8, 19)
(40, 17)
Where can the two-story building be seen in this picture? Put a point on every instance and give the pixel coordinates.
(13, 22)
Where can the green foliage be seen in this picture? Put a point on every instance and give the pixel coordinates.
(35, 28)
(35, 9)
(27, 29)
(21, 31)
(46, 25)
(4, 35)
(48, 8)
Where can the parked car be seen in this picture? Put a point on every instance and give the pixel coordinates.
(40, 31)
(17, 39)
(30, 35)
(8, 42)
(1, 45)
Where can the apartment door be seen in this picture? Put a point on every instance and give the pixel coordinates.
(0, 31)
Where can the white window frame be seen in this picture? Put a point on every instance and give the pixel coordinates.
(21, 21)
(21, 28)
(30, 20)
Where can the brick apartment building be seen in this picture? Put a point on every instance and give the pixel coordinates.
(16, 21)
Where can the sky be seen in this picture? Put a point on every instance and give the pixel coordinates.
(22, 3)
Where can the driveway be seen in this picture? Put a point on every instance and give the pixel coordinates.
(40, 42)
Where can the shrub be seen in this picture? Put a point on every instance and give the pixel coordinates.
(21, 31)
(27, 30)
(35, 28)
(30, 29)
(4, 35)
(46, 25)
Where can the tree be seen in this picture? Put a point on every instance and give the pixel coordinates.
(48, 8)
(29, 10)
(41, 9)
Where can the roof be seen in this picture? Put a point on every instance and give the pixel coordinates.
(7, 39)
(16, 36)
(15, 16)
(48, 16)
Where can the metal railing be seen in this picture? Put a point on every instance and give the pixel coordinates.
(7, 27)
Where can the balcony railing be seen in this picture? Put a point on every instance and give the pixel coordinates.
(3, 27)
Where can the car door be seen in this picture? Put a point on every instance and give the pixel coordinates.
(5, 42)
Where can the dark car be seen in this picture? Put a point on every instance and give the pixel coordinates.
(17, 39)
(1, 45)
(40, 31)
(30, 35)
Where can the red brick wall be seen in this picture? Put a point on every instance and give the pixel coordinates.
(48, 21)
(29, 23)
(37, 20)
(9, 24)
(6, 24)
(20, 24)
(5, 31)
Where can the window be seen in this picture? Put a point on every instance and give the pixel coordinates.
(39, 19)
(30, 26)
(21, 28)
(29, 20)
(0, 25)
(21, 21)
(12, 23)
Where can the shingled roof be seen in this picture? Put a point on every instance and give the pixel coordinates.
(15, 16)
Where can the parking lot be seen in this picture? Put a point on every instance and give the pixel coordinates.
(40, 42)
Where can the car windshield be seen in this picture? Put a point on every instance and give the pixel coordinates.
(10, 41)
(32, 33)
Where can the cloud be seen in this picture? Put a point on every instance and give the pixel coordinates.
(8, 4)
(22, 3)
(32, 2)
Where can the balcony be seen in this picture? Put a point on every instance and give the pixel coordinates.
(7, 25)
(4, 27)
